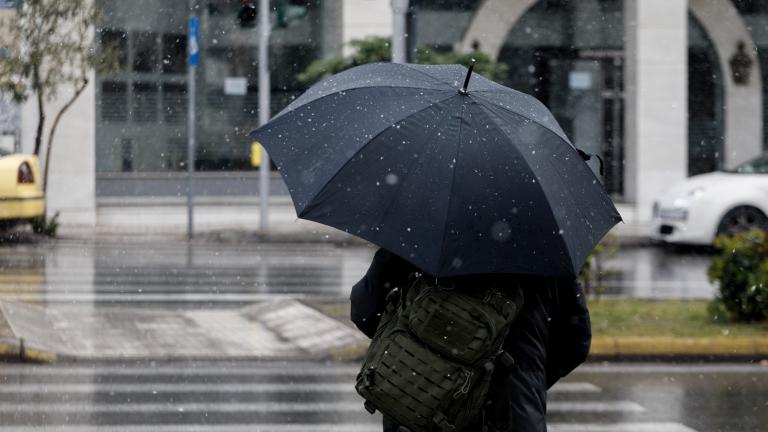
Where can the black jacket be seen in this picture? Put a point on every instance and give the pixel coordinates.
(549, 339)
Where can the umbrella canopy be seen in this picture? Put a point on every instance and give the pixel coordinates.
(456, 182)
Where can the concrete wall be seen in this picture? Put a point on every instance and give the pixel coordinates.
(71, 180)
(363, 18)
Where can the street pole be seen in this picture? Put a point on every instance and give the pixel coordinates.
(193, 47)
(399, 11)
(264, 111)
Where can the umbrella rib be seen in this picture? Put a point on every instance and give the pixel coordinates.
(373, 138)
(490, 104)
(445, 114)
(450, 189)
(353, 89)
(493, 116)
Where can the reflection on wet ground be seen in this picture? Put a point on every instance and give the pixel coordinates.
(176, 273)
(658, 272)
(318, 396)
(180, 274)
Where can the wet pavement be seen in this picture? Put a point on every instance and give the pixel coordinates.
(319, 396)
(159, 298)
(171, 273)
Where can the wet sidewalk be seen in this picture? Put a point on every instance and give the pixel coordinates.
(269, 330)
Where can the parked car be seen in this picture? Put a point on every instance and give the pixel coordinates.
(696, 210)
(21, 196)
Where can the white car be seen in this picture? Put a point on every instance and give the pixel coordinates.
(703, 206)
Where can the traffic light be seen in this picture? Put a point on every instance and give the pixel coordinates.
(247, 14)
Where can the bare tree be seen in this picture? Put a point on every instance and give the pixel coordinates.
(50, 46)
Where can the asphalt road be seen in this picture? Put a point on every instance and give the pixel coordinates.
(177, 274)
(302, 396)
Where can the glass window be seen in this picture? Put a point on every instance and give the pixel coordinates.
(755, 166)
(174, 102)
(114, 101)
(145, 56)
(144, 102)
(154, 91)
(116, 40)
(174, 53)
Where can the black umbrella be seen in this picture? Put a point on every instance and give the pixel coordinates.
(456, 180)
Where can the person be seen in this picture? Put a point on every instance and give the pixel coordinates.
(550, 337)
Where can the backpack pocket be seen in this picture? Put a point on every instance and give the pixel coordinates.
(411, 383)
(459, 325)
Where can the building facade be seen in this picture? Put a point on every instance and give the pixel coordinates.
(661, 89)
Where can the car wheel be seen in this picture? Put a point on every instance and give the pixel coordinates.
(742, 219)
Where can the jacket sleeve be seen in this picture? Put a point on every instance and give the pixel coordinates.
(368, 297)
(570, 333)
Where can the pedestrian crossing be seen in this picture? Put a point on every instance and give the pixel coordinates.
(184, 274)
(226, 396)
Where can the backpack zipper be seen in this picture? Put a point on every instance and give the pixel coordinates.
(465, 387)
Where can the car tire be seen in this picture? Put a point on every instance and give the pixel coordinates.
(742, 218)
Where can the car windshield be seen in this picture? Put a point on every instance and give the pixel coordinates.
(754, 166)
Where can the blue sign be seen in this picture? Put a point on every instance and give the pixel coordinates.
(193, 41)
(7, 4)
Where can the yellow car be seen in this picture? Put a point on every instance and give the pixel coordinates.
(21, 197)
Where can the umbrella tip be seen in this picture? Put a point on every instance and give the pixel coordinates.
(463, 89)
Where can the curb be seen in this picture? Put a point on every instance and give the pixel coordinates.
(639, 346)
(15, 350)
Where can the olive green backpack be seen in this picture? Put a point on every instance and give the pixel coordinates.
(430, 362)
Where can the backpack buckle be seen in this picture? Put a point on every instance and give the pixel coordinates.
(442, 421)
(369, 407)
(367, 377)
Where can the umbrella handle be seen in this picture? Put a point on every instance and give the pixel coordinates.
(463, 89)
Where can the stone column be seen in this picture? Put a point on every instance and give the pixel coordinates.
(656, 95)
(365, 18)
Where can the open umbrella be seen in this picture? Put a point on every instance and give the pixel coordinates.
(455, 179)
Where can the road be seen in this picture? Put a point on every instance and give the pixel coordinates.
(161, 273)
(172, 286)
(317, 397)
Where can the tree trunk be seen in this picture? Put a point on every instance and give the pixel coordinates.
(40, 110)
(55, 124)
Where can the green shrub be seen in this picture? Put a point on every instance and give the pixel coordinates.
(741, 271)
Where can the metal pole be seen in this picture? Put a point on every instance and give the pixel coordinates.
(399, 11)
(193, 58)
(264, 111)
(190, 148)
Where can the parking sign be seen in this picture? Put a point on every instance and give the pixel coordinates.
(193, 44)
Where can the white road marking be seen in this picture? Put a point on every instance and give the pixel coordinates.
(574, 387)
(348, 427)
(181, 372)
(347, 387)
(270, 407)
(594, 406)
(254, 427)
(619, 427)
(647, 368)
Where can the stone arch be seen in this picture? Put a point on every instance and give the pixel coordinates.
(491, 23)
(725, 27)
(743, 103)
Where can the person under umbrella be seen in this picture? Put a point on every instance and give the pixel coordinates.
(472, 184)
